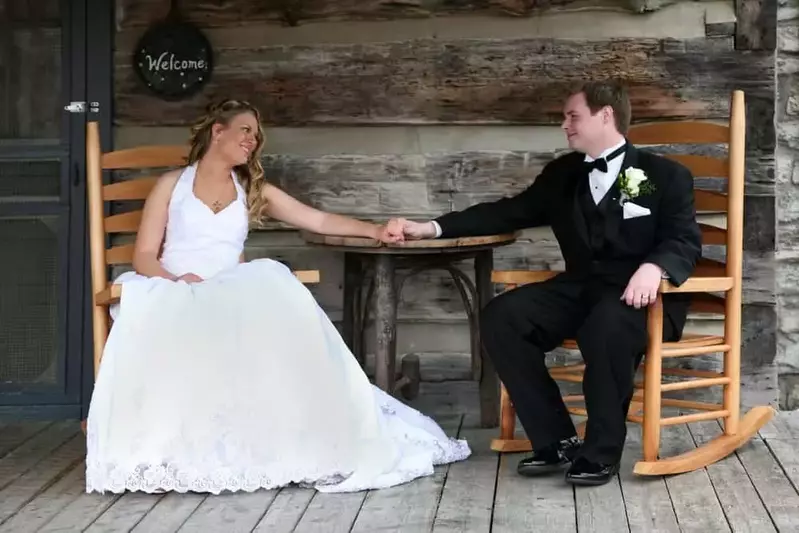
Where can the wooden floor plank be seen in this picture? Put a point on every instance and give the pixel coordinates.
(125, 513)
(468, 497)
(331, 513)
(80, 513)
(169, 513)
(543, 503)
(229, 512)
(646, 499)
(753, 490)
(25, 488)
(419, 497)
(285, 512)
(13, 435)
(32, 451)
(739, 500)
(783, 426)
(601, 509)
(775, 489)
(786, 452)
(695, 503)
(49, 503)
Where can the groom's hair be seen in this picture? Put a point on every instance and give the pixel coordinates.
(599, 94)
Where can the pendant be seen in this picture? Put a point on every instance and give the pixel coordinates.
(216, 206)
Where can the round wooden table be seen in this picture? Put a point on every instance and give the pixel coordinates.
(381, 269)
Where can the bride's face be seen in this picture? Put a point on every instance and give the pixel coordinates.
(237, 141)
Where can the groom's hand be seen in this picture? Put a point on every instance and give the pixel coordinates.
(642, 289)
(419, 230)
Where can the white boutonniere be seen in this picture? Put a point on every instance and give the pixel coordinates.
(633, 182)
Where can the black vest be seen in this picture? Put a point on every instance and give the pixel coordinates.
(594, 216)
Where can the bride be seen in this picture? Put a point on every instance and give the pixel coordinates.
(225, 375)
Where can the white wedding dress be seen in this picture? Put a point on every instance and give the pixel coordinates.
(240, 382)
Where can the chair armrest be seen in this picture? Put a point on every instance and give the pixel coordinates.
(307, 276)
(113, 292)
(520, 277)
(108, 296)
(698, 284)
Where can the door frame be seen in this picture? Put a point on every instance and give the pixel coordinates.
(100, 21)
(87, 66)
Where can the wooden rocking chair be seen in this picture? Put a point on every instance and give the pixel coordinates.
(709, 277)
(157, 157)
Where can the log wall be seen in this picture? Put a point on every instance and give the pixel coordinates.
(378, 108)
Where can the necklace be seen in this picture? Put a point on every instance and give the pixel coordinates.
(216, 206)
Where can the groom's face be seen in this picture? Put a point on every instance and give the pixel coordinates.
(583, 129)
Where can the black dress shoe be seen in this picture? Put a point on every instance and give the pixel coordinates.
(549, 459)
(585, 472)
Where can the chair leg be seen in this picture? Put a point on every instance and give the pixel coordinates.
(737, 432)
(101, 323)
(652, 381)
(732, 391)
(507, 427)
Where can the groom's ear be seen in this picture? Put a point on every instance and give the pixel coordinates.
(607, 115)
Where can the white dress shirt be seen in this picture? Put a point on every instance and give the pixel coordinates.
(600, 182)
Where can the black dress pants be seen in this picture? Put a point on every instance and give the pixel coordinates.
(519, 326)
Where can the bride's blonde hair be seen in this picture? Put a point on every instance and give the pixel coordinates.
(251, 174)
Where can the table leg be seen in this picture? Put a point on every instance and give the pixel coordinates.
(352, 281)
(489, 382)
(385, 313)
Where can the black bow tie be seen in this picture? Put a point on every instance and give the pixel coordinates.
(597, 164)
(601, 164)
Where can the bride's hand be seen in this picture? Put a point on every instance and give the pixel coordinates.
(190, 277)
(391, 232)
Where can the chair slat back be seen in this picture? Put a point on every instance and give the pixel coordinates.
(145, 157)
(682, 132)
(134, 189)
(730, 168)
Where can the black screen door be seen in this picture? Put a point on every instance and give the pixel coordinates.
(44, 105)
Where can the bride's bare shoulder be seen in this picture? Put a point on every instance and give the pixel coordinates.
(169, 177)
(165, 184)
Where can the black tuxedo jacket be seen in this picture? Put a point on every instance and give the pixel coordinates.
(668, 237)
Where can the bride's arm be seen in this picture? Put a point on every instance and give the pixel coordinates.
(285, 208)
(152, 227)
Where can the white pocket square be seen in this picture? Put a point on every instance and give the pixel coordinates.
(632, 210)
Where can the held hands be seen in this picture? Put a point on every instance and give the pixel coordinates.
(390, 232)
(643, 286)
(408, 229)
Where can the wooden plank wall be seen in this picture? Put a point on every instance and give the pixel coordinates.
(378, 108)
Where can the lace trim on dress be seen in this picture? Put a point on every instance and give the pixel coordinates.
(173, 476)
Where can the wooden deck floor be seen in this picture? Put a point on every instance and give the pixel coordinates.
(42, 489)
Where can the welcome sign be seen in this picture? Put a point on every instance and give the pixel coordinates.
(173, 59)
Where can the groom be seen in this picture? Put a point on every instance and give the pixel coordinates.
(624, 220)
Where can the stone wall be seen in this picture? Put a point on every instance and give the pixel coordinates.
(787, 122)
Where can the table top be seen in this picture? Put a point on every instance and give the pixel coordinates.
(420, 246)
